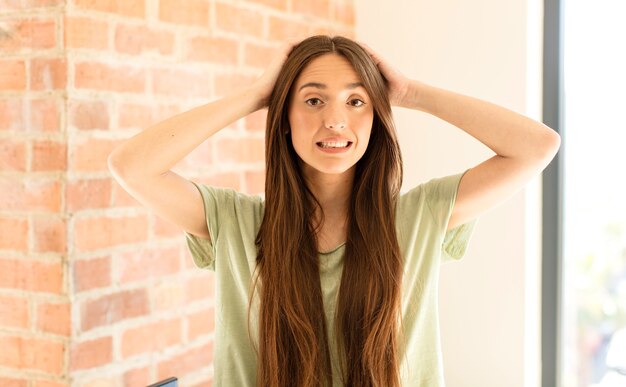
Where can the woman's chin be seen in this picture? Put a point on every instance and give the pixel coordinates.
(330, 169)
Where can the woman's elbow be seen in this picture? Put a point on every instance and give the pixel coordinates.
(554, 142)
(550, 145)
(117, 166)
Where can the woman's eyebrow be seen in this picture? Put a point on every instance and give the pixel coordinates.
(318, 85)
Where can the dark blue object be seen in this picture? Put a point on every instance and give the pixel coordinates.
(169, 382)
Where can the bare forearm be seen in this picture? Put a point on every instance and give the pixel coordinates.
(158, 148)
(504, 131)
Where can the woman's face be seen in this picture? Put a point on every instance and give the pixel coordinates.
(330, 115)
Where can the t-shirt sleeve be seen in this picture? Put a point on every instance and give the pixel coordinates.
(216, 202)
(440, 196)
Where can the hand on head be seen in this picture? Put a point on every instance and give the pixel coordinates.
(397, 82)
(266, 82)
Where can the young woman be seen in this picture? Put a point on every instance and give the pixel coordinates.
(331, 279)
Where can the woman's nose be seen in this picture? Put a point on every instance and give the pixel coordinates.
(335, 125)
(334, 119)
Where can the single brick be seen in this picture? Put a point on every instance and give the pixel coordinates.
(12, 75)
(213, 49)
(101, 76)
(48, 74)
(187, 362)
(32, 354)
(92, 353)
(101, 232)
(90, 154)
(239, 20)
(54, 318)
(201, 323)
(30, 194)
(13, 154)
(14, 312)
(147, 263)
(112, 308)
(132, 8)
(86, 32)
(318, 9)
(87, 194)
(30, 275)
(87, 115)
(48, 156)
(92, 274)
(135, 40)
(143, 339)
(185, 12)
(49, 234)
(13, 233)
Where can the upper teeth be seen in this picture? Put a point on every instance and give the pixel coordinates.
(334, 144)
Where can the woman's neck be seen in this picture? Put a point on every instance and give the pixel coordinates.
(332, 191)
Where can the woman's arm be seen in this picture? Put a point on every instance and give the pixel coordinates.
(142, 164)
(152, 152)
(523, 147)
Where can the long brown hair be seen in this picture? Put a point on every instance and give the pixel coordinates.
(293, 338)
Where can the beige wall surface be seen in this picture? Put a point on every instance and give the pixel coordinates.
(490, 49)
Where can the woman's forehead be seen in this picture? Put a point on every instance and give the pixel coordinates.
(328, 70)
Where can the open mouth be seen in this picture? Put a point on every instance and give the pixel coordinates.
(334, 145)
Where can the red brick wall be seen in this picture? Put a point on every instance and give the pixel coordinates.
(95, 290)
(35, 327)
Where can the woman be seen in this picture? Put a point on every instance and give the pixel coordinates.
(332, 237)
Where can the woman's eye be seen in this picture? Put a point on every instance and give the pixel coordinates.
(357, 102)
(313, 101)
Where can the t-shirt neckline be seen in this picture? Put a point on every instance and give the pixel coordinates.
(333, 250)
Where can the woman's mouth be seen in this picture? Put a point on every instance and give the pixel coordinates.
(343, 144)
(334, 147)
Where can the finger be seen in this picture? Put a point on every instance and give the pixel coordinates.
(367, 48)
(378, 60)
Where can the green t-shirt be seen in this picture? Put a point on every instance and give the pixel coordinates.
(422, 216)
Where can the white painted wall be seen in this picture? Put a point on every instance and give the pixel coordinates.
(490, 49)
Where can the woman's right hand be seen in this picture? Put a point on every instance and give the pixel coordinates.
(265, 84)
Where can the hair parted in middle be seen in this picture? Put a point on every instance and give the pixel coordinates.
(293, 339)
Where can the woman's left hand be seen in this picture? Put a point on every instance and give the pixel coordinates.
(398, 83)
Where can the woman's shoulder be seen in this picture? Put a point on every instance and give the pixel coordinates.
(434, 194)
(433, 188)
(228, 192)
(228, 199)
